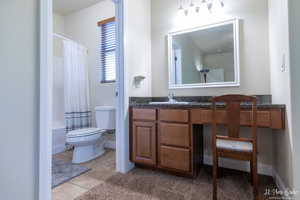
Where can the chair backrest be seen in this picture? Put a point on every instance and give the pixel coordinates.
(233, 111)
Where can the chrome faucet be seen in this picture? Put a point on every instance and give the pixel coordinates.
(171, 97)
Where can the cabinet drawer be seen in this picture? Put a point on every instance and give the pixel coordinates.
(175, 158)
(264, 117)
(143, 114)
(174, 134)
(173, 115)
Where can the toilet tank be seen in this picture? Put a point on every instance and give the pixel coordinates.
(105, 117)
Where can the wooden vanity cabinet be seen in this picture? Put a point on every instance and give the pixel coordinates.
(162, 138)
(172, 138)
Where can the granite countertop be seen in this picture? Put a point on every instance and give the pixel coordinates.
(263, 102)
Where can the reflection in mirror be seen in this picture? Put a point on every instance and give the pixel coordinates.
(204, 56)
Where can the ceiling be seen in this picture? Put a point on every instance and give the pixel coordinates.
(65, 7)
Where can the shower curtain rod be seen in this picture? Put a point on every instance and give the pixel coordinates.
(62, 36)
(66, 38)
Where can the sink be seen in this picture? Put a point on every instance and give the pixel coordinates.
(170, 102)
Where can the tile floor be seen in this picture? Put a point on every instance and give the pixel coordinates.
(103, 183)
(83, 183)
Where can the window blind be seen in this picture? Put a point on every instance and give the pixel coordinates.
(108, 52)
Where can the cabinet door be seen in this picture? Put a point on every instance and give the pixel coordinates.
(144, 143)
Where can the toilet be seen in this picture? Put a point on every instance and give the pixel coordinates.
(89, 142)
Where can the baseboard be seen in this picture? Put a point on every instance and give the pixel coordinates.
(280, 184)
(240, 165)
(110, 144)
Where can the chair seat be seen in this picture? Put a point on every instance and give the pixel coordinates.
(234, 145)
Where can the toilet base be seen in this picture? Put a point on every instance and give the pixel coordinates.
(83, 154)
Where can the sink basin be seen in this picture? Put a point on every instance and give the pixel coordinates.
(170, 102)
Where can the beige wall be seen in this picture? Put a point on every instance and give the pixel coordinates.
(19, 86)
(280, 87)
(190, 54)
(59, 28)
(137, 61)
(82, 27)
(254, 58)
(254, 63)
(222, 60)
(58, 23)
(137, 32)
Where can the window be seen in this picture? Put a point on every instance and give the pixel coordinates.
(107, 50)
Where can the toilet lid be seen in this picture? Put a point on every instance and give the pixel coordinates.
(84, 132)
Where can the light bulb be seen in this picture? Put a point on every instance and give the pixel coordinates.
(192, 5)
(217, 5)
(197, 9)
(222, 3)
(204, 8)
(209, 6)
(192, 9)
(186, 12)
(181, 11)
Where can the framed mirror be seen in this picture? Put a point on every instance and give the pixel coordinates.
(206, 56)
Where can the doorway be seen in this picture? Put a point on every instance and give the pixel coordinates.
(46, 97)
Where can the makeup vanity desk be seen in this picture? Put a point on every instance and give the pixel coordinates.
(170, 137)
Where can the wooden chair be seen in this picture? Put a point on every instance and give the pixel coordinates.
(233, 146)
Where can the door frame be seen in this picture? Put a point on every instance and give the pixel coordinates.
(46, 78)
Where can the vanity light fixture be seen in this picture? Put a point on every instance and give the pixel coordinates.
(181, 10)
(189, 7)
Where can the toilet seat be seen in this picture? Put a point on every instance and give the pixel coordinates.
(84, 132)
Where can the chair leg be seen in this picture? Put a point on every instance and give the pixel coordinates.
(255, 178)
(218, 169)
(215, 176)
(251, 171)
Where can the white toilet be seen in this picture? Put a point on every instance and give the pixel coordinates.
(89, 142)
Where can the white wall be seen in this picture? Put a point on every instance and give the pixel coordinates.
(19, 86)
(294, 6)
(254, 63)
(280, 87)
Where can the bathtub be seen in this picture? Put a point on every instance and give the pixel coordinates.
(58, 140)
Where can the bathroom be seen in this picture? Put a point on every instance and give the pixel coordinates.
(183, 67)
(83, 90)
(192, 61)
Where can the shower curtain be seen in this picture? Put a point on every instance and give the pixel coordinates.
(77, 109)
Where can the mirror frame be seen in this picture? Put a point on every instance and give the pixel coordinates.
(236, 32)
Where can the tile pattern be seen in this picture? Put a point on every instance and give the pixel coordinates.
(83, 183)
(103, 183)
